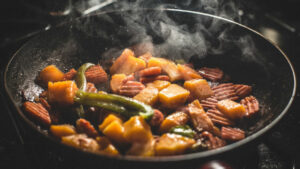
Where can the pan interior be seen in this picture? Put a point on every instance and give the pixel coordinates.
(201, 39)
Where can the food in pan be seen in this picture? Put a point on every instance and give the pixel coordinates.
(152, 107)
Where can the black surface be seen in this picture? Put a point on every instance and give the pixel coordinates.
(277, 151)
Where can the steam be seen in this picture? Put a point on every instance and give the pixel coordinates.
(176, 39)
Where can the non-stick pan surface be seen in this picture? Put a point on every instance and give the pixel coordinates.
(199, 38)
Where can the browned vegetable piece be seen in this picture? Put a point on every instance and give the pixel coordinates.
(157, 118)
(145, 56)
(251, 105)
(96, 75)
(172, 144)
(86, 127)
(150, 71)
(50, 74)
(219, 118)
(213, 142)
(231, 109)
(199, 118)
(167, 66)
(131, 88)
(45, 103)
(213, 74)
(137, 130)
(90, 87)
(106, 146)
(173, 96)
(188, 73)
(159, 84)
(37, 112)
(154, 78)
(209, 103)
(232, 134)
(81, 141)
(242, 90)
(116, 82)
(175, 119)
(62, 130)
(149, 95)
(62, 92)
(199, 88)
(127, 63)
(225, 91)
(142, 149)
(70, 75)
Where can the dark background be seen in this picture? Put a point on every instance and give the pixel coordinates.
(278, 20)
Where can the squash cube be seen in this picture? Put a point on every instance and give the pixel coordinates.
(149, 96)
(167, 66)
(127, 63)
(173, 96)
(172, 144)
(109, 119)
(116, 82)
(106, 146)
(159, 84)
(114, 131)
(50, 74)
(188, 73)
(62, 92)
(172, 120)
(199, 88)
(62, 130)
(137, 130)
(231, 109)
(142, 149)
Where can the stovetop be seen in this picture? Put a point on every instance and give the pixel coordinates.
(21, 20)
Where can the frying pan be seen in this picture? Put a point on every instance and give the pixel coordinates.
(203, 39)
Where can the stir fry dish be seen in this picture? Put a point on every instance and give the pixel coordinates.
(150, 106)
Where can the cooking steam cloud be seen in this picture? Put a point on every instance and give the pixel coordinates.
(175, 39)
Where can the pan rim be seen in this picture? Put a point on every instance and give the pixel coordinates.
(183, 157)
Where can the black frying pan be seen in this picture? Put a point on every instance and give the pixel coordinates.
(202, 39)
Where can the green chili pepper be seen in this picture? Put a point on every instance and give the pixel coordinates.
(183, 130)
(80, 78)
(133, 107)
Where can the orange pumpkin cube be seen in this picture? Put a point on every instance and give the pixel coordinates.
(173, 96)
(172, 144)
(172, 120)
(127, 63)
(62, 92)
(159, 84)
(149, 96)
(116, 82)
(199, 88)
(62, 130)
(50, 74)
(137, 130)
(231, 109)
(188, 73)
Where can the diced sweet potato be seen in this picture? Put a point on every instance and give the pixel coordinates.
(145, 56)
(175, 119)
(62, 92)
(127, 63)
(199, 88)
(199, 118)
(231, 109)
(188, 73)
(172, 144)
(137, 130)
(173, 96)
(62, 130)
(159, 84)
(114, 131)
(106, 146)
(167, 66)
(50, 74)
(116, 82)
(109, 119)
(142, 149)
(149, 95)
(81, 141)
